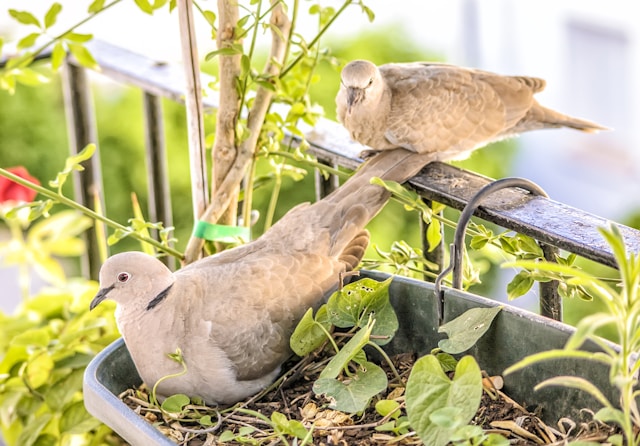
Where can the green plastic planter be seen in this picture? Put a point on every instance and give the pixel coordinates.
(514, 334)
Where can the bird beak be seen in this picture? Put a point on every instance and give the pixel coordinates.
(102, 295)
(354, 95)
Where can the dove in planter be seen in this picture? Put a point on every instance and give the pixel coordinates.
(231, 314)
(441, 109)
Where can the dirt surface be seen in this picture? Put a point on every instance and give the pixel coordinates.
(294, 398)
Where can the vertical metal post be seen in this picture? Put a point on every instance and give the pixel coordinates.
(324, 186)
(81, 128)
(550, 300)
(157, 170)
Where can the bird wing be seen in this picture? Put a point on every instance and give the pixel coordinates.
(255, 294)
(444, 108)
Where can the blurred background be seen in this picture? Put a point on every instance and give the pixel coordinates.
(587, 51)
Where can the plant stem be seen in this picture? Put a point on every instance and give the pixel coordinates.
(315, 39)
(273, 200)
(311, 163)
(387, 359)
(247, 201)
(61, 199)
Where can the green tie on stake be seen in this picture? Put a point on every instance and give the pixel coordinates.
(221, 233)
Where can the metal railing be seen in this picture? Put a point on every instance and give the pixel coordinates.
(552, 223)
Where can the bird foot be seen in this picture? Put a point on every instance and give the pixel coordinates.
(367, 153)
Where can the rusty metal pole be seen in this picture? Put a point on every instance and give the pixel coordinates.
(159, 202)
(81, 128)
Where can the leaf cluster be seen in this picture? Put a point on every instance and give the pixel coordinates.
(45, 348)
(623, 305)
(349, 380)
(437, 407)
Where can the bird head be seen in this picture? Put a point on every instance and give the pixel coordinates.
(359, 78)
(132, 278)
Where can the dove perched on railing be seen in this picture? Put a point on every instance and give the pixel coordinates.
(441, 109)
(231, 314)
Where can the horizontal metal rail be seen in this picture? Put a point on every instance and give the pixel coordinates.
(546, 220)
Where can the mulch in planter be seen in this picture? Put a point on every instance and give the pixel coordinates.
(295, 399)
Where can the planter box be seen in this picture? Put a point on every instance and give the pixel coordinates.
(514, 334)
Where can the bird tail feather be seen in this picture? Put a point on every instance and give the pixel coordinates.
(397, 165)
(549, 118)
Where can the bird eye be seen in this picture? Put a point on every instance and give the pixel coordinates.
(123, 277)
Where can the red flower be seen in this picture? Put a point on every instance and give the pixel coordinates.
(10, 191)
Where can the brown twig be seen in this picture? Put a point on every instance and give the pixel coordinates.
(226, 153)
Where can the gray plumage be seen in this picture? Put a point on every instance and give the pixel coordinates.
(232, 314)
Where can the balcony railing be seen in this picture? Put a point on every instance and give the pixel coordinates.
(552, 223)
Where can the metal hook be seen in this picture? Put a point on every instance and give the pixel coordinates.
(457, 247)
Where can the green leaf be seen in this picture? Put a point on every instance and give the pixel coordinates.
(369, 12)
(145, 6)
(142, 227)
(47, 440)
(347, 352)
(555, 354)
(478, 242)
(406, 196)
(76, 420)
(84, 57)
(434, 234)
(355, 303)
(447, 362)
(587, 327)
(57, 56)
(508, 244)
(353, 396)
(429, 391)
(73, 163)
(96, 6)
(465, 330)
(52, 15)
(28, 76)
(610, 415)
(309, 333)
(175, 403)
(32, 430)
(38, 369)
(63, 390)
(245, 65)
(285, 426)
(576, 382)
(77, 37)
(449, 418)
(24, 17)
(28, 41)
(263, 83)
(529, 245)
(388, 408)
(227, 51)
(117, 235)
(37, 337)
(210, 17)
(519, 285)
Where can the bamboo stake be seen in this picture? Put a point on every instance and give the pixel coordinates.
(194, 108)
